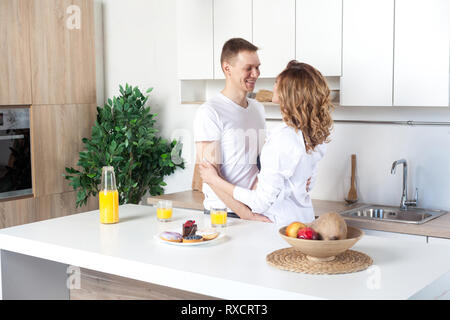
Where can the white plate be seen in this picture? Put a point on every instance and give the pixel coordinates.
(188, 244)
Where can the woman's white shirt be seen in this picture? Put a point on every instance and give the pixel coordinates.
(285, 168)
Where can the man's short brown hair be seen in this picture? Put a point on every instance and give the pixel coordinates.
(232, 47)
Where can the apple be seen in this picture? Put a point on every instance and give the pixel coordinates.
(308, 234)
(293, 228)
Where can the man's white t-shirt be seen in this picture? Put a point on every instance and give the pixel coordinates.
(241, 132)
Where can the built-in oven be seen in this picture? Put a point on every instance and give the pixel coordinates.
(15, 154)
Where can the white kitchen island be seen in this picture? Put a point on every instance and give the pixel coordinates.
(37, 259)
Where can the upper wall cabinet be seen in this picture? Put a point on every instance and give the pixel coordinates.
(421, 55)
(395, 56)
(386, 52)
(62, 51)
(15, 71)
(283, 30)
(232, 19)
(319, 34)
(274, 34)
(195, 39)
(368, 39)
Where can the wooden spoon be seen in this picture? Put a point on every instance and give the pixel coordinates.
(352, 197)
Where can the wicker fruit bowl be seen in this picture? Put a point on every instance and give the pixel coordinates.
(323, 250)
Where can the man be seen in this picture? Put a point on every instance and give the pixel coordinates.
(229, 128)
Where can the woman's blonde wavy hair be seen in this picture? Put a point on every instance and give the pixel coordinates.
(305, 102)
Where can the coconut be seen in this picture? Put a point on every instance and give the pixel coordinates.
(330, 226)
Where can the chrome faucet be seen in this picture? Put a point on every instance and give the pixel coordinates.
(404, 203)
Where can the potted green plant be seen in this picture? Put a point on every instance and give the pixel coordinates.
(124, 137)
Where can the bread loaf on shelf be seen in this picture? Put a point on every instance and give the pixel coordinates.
(264, 96)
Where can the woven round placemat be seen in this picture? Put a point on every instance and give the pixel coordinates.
(293, 260)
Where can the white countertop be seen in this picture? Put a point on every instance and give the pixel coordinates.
(231, 268)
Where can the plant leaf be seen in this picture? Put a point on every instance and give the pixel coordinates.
(124, 136)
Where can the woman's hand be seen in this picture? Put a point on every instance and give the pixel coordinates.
(308, 184)
(208, 172)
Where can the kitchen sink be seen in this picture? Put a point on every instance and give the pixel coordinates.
(393, 214)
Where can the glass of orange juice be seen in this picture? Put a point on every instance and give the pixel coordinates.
(108, 197)
(218, 217)
(164, 210)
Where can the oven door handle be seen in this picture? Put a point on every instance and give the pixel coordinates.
(17, 136)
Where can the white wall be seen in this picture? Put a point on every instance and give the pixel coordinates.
(140, 48)
(427, 150)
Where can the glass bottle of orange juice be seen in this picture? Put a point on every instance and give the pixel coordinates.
(109, 197)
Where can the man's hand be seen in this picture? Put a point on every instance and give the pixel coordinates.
(208, 172)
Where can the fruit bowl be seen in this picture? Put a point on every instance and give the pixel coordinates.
(323, 250)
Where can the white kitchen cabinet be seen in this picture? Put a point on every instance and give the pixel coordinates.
(232, 19)
(438, 290)
(274, 34)
(435, 240)
(319, 34)
(195, 39)
(421, 55)
(367, 52)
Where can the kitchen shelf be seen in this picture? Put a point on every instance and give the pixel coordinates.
(192, 102)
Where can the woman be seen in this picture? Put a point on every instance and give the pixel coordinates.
(291, 153)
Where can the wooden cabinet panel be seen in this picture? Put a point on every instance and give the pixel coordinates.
(48, 60)
(319, 34)
(57, 131)
(368, 50)
(16, 212)
(421, 68)
(15, 71)
(274, 34)
(27, 210)
(195, 39)
(62, 51)
(232, 19)
(60, 205)
(95, 285)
